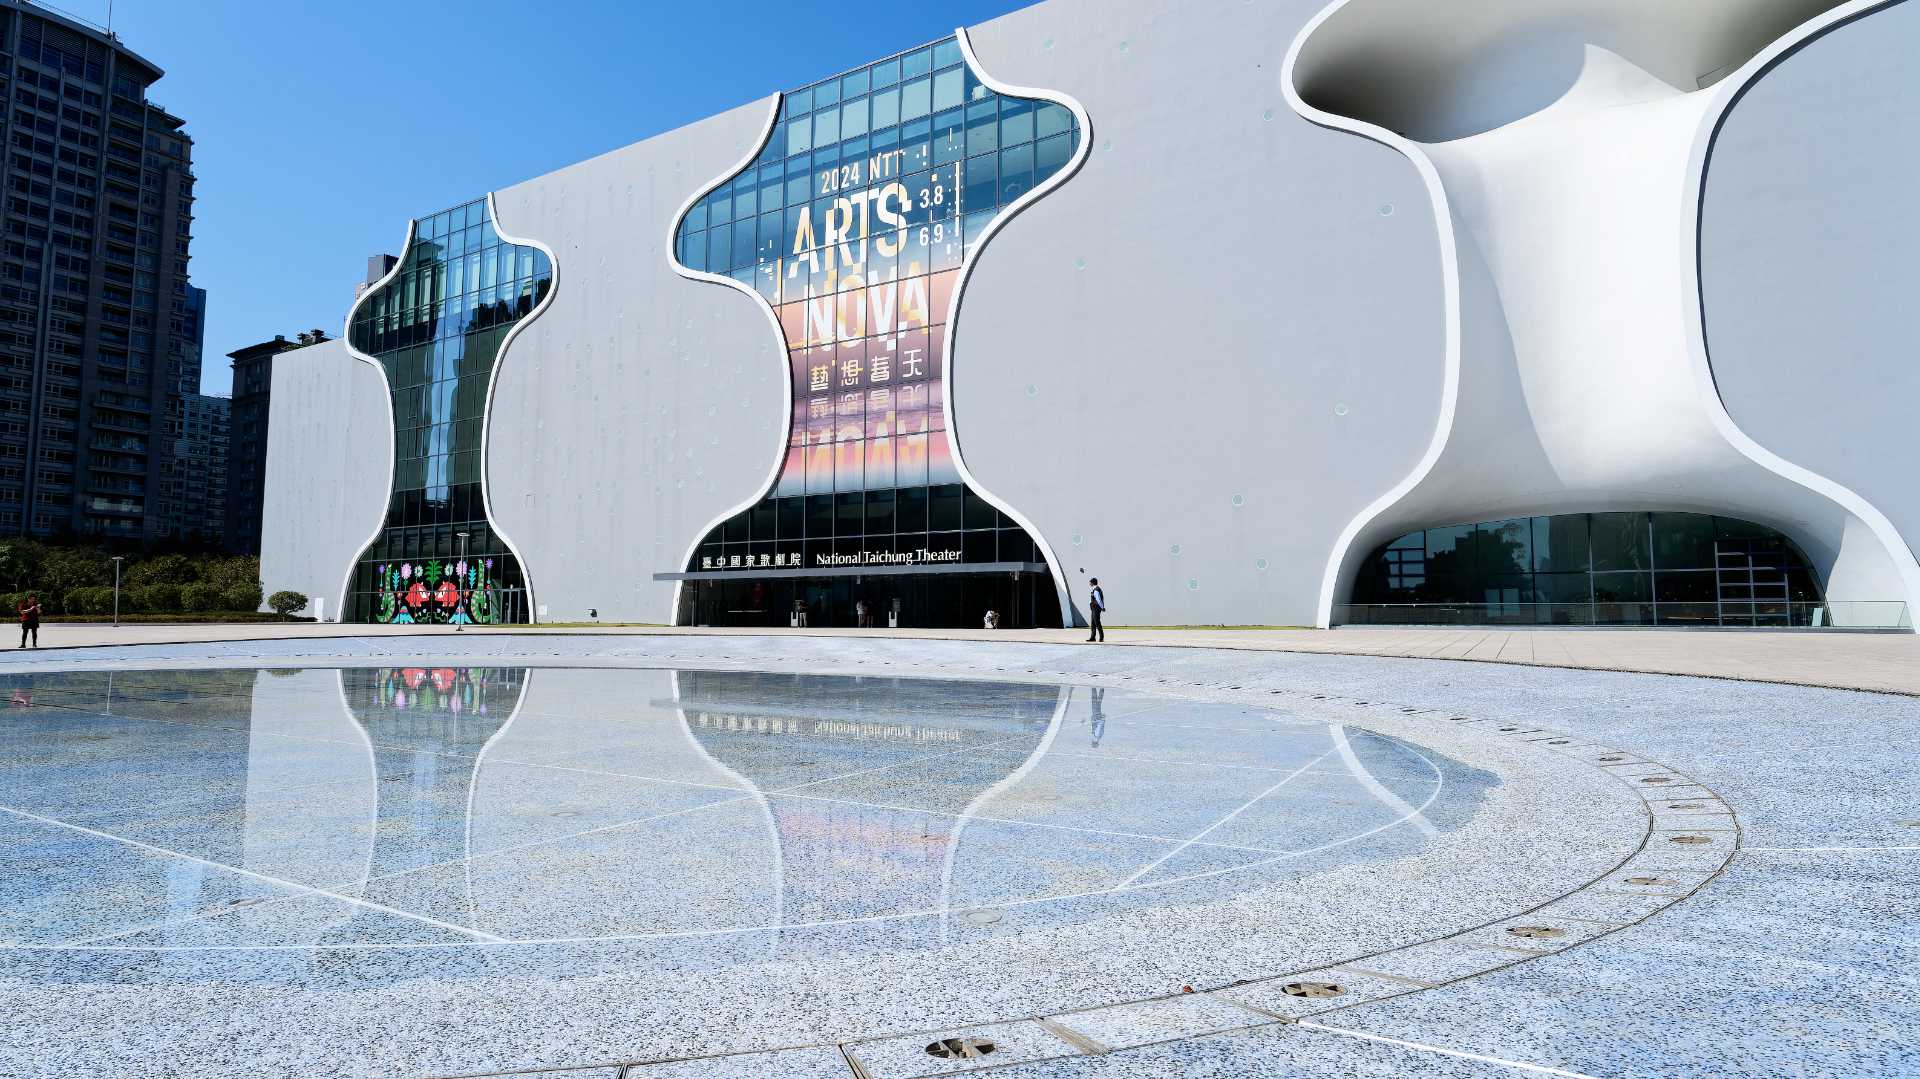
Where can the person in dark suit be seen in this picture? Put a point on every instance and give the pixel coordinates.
(1097, 606)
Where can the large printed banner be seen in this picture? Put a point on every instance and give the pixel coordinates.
(863, 290)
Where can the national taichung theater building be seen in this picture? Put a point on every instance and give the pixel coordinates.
(1268, 313)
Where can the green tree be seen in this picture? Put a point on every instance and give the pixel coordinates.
(240, 597)
(67, 568)
(238, 571)
(157, 598)
(200, 597)
(20, 563)
(163, 569)
(285, 603)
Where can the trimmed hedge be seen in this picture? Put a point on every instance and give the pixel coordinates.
(90, 600)
(155, 598)
(170, 619)
(200, 597)
(240, 597)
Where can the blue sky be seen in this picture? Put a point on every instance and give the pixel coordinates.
(319, 128)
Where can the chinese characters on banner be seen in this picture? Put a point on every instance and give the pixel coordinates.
(863, 292)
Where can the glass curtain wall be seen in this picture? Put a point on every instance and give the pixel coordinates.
(436, 327)
(1589, 569)
(852, 224)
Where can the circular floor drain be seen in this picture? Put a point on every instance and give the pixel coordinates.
(1690, 840)
(1646, 880)
(1536, 932)
(983, 917)
(959, 1048)
(1312, 989)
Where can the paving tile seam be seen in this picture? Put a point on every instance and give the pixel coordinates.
(1571, 742)
(1184, 691)
(332, 889)
(280, 882)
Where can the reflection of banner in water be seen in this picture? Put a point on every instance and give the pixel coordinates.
(831, 845)
(890, 856)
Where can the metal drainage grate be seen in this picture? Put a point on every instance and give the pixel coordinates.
(959, 1048)
(1558, 741)
(1647, 880)
(1689, 840)
(1536, 932)
(1611, 760)
(1312, 989)
(1685, 805)
(1658, 779)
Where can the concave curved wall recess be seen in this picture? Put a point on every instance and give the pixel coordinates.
(1564, 145)
(854, 224)
(436, 327)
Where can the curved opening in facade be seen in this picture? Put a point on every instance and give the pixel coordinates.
(853, 224)
(1434, 72)
(436, 327)
(1590, 569)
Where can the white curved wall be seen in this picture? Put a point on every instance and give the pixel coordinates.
(329, 459)
(1582, 381)
(1434, 70)
(640, 405)
(1214, 306)
(1241, 347)
(1808, 267)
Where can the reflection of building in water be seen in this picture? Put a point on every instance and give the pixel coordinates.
(427, 727)
(433, 708)
(912, 755)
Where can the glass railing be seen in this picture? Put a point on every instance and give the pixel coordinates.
(1826, 614)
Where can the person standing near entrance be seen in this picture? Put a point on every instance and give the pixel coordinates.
(30, 620)
(1097, 605)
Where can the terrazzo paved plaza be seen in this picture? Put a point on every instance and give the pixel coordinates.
(263, 852)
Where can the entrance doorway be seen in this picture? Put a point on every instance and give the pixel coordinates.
(1020, 600)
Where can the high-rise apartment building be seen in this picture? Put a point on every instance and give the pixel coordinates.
(99, 324)
(197, 511)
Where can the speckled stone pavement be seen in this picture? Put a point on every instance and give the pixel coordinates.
(1523, 869)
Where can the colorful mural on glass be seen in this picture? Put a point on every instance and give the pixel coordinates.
(460, 593)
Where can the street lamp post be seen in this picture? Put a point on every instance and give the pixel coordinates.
(117, 559)
(458, 628)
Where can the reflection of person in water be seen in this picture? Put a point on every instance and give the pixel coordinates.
(1099, 715)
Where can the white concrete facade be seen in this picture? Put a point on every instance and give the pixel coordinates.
(1283, 313)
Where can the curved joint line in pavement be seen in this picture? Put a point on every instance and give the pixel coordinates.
(1375, 787)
